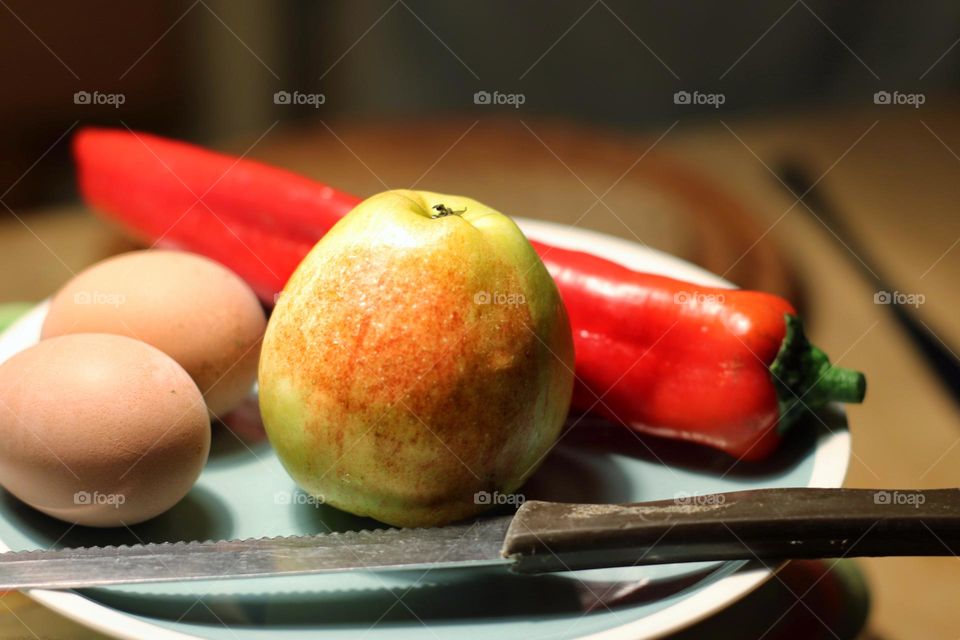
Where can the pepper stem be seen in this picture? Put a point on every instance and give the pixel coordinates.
(805, 380)
(843, 385)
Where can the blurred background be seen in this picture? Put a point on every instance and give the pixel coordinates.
(692, 127)
(208, 71)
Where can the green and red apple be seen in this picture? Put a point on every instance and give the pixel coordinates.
(419, 355)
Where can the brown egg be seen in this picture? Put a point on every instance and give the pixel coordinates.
(191, 308)
(100, 430)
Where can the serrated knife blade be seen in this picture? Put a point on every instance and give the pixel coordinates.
(464, 545)
(765, 524)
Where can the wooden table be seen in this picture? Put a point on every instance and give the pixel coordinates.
(893, 174)
(898, 188)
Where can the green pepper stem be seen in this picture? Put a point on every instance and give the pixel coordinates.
(838, 384)
(805, 380)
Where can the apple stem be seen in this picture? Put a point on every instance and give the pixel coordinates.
(444, 210)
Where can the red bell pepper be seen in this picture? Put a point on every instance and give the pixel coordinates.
(257, 219)
(727, 368)
(722, 367)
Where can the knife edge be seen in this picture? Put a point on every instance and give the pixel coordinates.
(457, 546)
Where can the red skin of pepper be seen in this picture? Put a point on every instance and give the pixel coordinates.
(659, 355)
(256, 219)
(671, 358)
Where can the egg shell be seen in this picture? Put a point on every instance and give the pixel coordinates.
(100, 430)
(191, 308)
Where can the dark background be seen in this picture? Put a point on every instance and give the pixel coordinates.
(207, 70)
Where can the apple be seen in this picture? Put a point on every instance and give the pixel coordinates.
(419, 356)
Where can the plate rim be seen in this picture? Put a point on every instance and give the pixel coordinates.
(830, 465)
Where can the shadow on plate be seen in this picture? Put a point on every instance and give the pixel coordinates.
(599, 436)
(323, 518)
(238, 436)
(479, 594)
(199, 516)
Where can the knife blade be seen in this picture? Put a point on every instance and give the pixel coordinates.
(765, 524)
